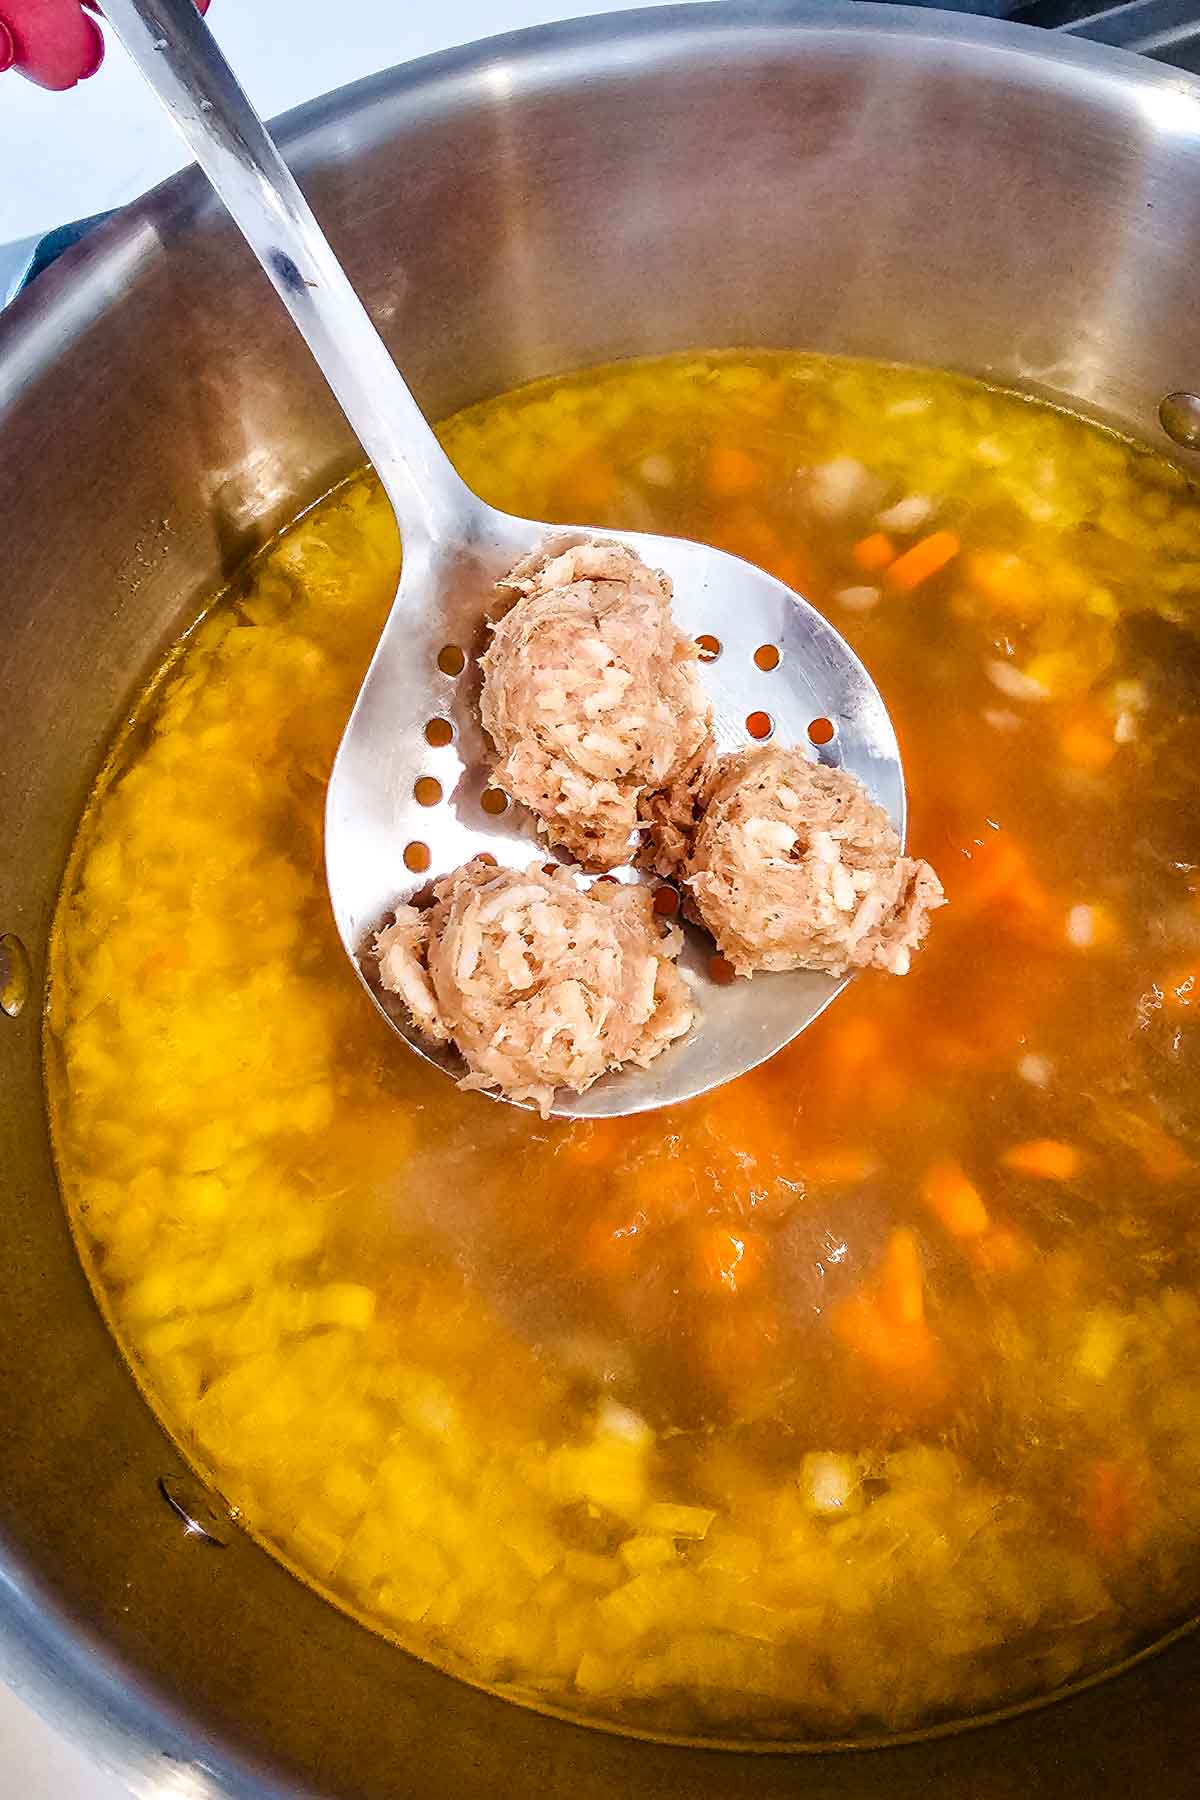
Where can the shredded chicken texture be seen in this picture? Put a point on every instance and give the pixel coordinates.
(539, 984)
(794, 866)
(591, 698)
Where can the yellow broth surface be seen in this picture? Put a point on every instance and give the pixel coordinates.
(858, 1395)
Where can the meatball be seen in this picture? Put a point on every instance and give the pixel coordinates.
(794, 866)
(590, 696)
(539, 984)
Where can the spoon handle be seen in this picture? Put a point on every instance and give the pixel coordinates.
(174, 50)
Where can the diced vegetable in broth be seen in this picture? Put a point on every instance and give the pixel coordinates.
(854, 1397)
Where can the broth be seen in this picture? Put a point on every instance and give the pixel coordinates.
(853, 1397)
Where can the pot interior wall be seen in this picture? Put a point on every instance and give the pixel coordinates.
(884, 184)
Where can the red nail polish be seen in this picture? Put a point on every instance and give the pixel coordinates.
(8, 50)
(98, 58)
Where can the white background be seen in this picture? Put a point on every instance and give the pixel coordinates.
(66, 156)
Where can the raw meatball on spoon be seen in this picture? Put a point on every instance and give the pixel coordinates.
(384, 841)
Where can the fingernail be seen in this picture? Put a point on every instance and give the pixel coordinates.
(8, 50)
(98, 58)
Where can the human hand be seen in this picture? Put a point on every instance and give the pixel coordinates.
(52, 42)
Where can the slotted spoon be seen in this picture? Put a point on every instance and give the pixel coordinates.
(402, 806)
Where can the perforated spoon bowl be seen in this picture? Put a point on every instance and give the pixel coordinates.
(406, 799)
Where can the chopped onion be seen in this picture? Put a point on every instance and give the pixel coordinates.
(858, 599)
(1014, 682)
(678, 1521)
(838, 487)
(830, 1484)
(613, 1420)
(659, 471)
(906, 515)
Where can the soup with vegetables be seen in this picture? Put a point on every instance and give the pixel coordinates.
(854, 1397)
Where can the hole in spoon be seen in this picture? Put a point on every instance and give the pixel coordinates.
(760, 725)
(822, 731)
(439, 733)
(708, 646)
(450, 660)
(766, 657)
(493, 802)
(427, 791)
(416, 857)
(721, 970)
(666, 902)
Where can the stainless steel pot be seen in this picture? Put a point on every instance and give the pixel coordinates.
(899, 184)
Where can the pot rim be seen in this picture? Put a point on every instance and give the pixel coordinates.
(61, 1666)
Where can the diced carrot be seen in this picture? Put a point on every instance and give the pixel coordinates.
(854, 1058)
(730, 472)
(901, 1291)
(591, 483)
(923, 560)
(1002, 1250)
(1006, 581)
(1112, 1505)
(748, 1118)
(889, 1088)
(874, 552)
(891, 1348)
(999, 877)
(855, 1043)
(885, 1325)
(1088, 743)
(1049, 1159)
(955, 1200)
(663, 1187)
(836, 1167)
(168, 959)
(1066, 673)
(727, 1257)
(744, 532)
(860, 1324)
(794, 570)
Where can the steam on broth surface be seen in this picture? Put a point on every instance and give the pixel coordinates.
(857, 1395)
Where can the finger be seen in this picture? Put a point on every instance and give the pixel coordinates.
(95, 6)
(54, 43)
